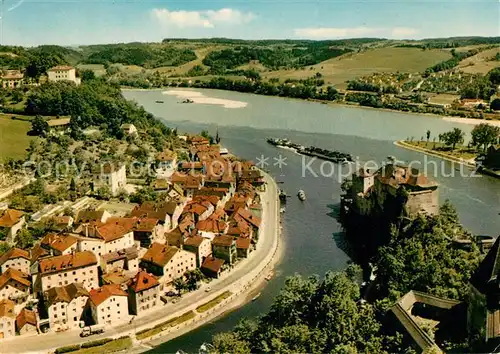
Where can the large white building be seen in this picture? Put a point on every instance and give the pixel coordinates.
(110, 176)
(79, 267)
(63, 73)
(65, 305)
(109, 304)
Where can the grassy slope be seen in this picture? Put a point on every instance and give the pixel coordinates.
(201, 53)
(13, 137)
(480, 63)
(347, 67)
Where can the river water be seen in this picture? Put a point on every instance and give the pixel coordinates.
(312, 236)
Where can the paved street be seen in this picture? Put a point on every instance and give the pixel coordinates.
(242, 273)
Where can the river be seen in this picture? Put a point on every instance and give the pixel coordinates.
(312, 236)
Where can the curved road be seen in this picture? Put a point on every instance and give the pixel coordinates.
(241, 274)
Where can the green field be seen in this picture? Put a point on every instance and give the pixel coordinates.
(13, 137)
(337, 71)
(207, 306)
(480, 63)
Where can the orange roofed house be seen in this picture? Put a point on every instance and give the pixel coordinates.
(143, 293)
(109, 304)
(15, 258)
(14, 285)
(63, 73)
(168, 262)
(26, 322)
(57, 244)
(65, 306)
(11, 221)
(57, 271)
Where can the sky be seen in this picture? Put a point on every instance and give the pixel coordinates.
(79, 22)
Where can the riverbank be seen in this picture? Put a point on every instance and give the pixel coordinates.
(246, 288)
(240, 281)
(403, 144)
(333, 104)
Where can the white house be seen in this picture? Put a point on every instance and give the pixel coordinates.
(63, 73)
(11, 222)
(109, 304)
(80, 267)
(15, 286)
(168, 262)
(143, 293)
(65, 305)
(12, 79)
(57, 244)
(15, 258)
(111, 176)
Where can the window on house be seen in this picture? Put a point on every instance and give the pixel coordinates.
(75, 318)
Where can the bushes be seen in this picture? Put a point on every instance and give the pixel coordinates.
(67, 349)
(96, 343)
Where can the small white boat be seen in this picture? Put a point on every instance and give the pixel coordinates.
(302, 195)
(269, 276)
(256, 297)
(282, 210)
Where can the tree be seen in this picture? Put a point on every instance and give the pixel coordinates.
(485, 135)
(179, 285)
(39, 126)
(454, 137)
(24, 239)
(428, 135)
(495, 104)
(87, 75)
(192, 279)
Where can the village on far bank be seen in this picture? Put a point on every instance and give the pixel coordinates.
(106, 245)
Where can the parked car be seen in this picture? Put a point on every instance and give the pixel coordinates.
(171, 293)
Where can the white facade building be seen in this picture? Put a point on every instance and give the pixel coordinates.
(63, 73)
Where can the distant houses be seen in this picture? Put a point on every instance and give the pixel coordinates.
(12, 79)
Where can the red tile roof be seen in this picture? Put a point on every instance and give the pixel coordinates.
(10, 217)
(98, 296)
(66, 262)
(194, 241)
(115, 228)
(59, 242)
(25, 317)
(160, 254)
(243, 243)
(213, 264)
(142, 281)
(166, 155)
(249, 217)
(37, 252)
(65, 293)
(146, 224)
(210, 225)
(195, 208)
(223, 240)
(15, 275)
(14, 253)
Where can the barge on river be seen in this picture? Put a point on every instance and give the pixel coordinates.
(313, 151)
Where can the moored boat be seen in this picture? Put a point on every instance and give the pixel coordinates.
(159, 101)
(282, 195)
(256, 297)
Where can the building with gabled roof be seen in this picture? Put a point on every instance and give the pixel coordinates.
(209, 228)
(15, 258)
(14, 285)
(112, 176)
(143, 293)
(65, 305)
(200, 246)
(243, 247)
(168, 262)
(63, 73)
(224, 247)
(11, 222)
(128, 129)
(109, 304)
(26, 322)
(12, 79)
(59, 244)
(57, 271)
(126, 259)
(7, 319)
(212, 267)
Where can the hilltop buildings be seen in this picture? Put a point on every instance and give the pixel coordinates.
(63, 73)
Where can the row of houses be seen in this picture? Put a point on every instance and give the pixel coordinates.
(101, 268)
